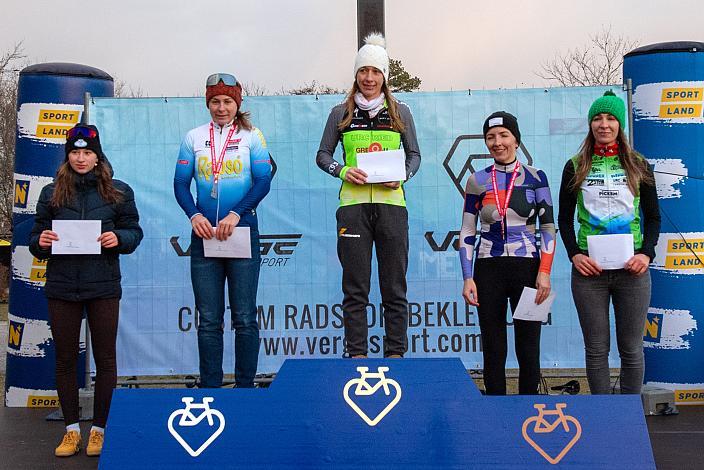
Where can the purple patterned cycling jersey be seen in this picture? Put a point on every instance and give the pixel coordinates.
(530, 200)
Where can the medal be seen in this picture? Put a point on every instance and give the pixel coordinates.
(216, 165)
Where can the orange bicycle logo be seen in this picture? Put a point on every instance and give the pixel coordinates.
(542, 426)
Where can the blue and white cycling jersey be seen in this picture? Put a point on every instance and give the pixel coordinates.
(245, 174)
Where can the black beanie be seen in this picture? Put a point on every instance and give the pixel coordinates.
(84, 136)
(503, 119)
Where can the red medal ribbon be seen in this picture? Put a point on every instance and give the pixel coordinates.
(503, 208)
(217, 165)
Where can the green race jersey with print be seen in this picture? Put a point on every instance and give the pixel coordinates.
(356, 141)
(605, 204)
(367, 134)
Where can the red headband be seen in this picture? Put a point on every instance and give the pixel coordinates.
(234, 92)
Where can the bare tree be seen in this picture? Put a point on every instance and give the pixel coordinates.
(253, 89)
(123, 90)
(8, 127)
(312, 88)
(599, 62)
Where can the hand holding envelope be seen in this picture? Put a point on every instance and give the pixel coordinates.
(527, 309)
(237, 245)
(383, 167)
(611, 251)
(76, 237)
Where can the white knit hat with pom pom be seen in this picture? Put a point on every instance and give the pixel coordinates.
(373, 53)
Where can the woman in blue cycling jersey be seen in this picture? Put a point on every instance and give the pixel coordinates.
(229, 161)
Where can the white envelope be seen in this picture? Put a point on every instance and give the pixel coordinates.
(611, 251)
(527, 309)
(76, 237)
(237, 245)
(383, 167)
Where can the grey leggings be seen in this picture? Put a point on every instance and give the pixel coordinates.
(631, 297)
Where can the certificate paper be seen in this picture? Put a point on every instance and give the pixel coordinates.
(237, 245)
(76, 237)
(527, 309)
(611, 251)
(383, 167)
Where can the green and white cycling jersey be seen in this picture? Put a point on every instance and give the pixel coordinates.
(605, 204)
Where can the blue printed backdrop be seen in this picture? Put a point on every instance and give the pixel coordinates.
(299, 290)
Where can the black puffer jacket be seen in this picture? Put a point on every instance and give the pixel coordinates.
(83, 277)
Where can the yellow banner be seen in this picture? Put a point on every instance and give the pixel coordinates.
(689, 396)
(58, 116)
(42, 401)
(680, 111)
(683, 262)
(52, 132)
(675, 245)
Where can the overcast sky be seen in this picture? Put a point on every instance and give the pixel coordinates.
(169, 47)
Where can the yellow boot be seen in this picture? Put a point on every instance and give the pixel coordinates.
(95, 444)
(70, 445)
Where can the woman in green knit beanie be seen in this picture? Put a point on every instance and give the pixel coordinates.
(612, 188)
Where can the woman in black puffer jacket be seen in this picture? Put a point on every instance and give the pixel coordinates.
(84, 190)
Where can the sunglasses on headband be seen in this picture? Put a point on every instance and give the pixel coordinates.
(216, 78)
(81, 132)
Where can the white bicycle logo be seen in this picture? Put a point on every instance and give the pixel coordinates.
(189, 419)
(363, 388)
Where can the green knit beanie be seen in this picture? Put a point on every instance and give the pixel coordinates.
(610, 104)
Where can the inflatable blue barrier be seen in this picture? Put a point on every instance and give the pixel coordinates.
(49, 102)
(668, 126)
(377, 413)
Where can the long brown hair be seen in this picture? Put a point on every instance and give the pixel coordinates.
(65, 185)
(242, 119)
(391, 104)
(633, 163)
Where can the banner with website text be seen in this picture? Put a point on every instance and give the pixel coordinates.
(300, 283)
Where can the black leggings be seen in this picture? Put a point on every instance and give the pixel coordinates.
(500, 280)
(65, 318)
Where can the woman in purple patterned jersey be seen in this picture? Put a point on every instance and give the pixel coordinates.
(507, 198)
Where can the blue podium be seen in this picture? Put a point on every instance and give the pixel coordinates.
(376, 413)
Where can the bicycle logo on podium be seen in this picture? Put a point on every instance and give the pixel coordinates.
(364, 388)
(189, 419)
(542, 426)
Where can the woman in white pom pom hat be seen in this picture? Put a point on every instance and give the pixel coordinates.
(371, 214)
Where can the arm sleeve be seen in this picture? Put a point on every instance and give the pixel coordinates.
(410, 141)
(42, 221)
(183, 175)
(568, 205)
(129, 233)
(468, 232)
(331, 136)
(260, 165)
(651, 217)
(547, 223)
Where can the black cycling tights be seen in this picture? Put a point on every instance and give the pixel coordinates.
(500, 280)
(65, 319)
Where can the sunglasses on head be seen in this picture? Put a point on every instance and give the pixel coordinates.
(82, 132)
(216, 78)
